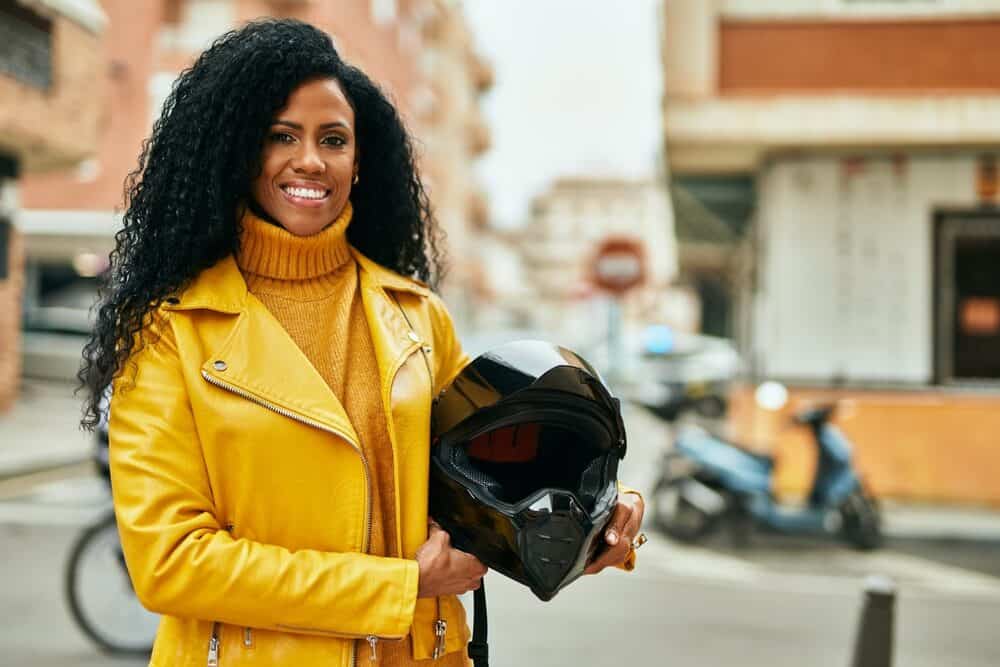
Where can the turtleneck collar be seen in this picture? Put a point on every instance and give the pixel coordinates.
(270, 251)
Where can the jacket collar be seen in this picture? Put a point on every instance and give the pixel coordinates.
(221, 287)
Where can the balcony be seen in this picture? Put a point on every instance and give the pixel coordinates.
(50, 62)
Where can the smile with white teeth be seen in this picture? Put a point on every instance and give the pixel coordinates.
(305, 193)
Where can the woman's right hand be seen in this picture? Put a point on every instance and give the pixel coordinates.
(445, 570)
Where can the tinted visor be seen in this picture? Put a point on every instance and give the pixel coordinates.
(538, 448)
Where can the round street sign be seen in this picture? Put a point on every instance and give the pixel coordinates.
(618, 265)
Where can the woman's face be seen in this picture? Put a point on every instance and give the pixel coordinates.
(309, 159)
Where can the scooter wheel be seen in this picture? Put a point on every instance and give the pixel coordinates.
(677, 516)
(862, 521)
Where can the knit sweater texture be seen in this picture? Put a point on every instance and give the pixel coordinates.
(310, 285)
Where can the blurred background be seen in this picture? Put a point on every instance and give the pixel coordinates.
(737, 209)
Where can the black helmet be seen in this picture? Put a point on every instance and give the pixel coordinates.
(524, 466)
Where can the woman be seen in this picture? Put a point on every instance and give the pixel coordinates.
(273, 370)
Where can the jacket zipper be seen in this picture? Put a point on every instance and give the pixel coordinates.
(213, 646)
(424, 347)
(315, 424)
(440, 629)
(213, 650)
(440, 625)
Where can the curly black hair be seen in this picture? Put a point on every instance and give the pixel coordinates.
(182, 202)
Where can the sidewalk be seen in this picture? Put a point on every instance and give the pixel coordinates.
(940, 522)
(42, 430)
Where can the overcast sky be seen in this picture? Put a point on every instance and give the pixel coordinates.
(577, 92)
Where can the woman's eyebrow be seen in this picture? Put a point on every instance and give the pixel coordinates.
(297, 126)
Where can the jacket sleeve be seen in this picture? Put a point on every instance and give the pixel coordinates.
(450, 357)
(182, 560)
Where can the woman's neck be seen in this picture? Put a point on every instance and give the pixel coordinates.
(270, 251)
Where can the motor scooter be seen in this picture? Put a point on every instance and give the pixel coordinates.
(706, 480)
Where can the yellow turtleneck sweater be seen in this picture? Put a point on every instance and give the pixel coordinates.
(310, 285)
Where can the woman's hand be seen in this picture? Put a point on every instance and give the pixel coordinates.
(444, 570)
(621, 530)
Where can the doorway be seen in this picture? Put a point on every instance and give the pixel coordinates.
(967, 295)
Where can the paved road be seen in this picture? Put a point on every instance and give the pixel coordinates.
(652, 617)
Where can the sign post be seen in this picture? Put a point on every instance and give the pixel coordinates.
(619, 265)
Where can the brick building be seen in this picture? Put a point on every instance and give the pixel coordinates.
(48, 66)
(419, 51)
(852, 147)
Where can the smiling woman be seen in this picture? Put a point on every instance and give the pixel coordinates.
(274, 354)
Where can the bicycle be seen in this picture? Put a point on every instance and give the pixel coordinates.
(97, 585)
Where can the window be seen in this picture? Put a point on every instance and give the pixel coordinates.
(25, 45)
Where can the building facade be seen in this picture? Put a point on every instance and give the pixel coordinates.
(870, 134)
(569, 221)
(419, 51)
(49, 119)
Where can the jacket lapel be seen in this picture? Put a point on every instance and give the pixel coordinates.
(261, 359)
(258, 358)
(392, 337)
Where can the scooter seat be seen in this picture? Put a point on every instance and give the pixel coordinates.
(763, 459)
(739, 469)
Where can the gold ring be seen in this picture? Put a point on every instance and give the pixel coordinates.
(639, 540)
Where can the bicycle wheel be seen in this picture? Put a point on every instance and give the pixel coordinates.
(100, 595)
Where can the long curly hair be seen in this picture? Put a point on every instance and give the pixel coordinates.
(194, 173)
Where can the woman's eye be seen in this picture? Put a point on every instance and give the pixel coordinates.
(281, 137)
(334, 140)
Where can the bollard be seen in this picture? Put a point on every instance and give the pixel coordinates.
(873, 643)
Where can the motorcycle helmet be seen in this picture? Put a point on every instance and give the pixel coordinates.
(524, 463)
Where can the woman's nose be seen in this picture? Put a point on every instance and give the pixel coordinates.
(307, 160)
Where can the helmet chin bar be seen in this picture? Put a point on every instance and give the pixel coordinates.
(557, 540)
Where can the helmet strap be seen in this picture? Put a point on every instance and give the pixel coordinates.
(478, 648)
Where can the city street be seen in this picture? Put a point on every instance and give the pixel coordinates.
(779, 602)
(775, 221)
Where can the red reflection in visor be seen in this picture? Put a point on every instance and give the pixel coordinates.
(511, 444)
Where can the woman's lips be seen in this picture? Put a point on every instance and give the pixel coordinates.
(289, 192)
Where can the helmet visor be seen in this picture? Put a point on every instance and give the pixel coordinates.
(514, 462)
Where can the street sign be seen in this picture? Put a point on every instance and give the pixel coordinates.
(618, 265)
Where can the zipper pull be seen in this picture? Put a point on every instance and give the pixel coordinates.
(440, 628)
(213, 651)
(372, 642)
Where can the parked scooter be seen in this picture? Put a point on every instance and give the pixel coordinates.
(707, 480)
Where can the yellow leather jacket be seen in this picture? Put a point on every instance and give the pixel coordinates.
(242, 493)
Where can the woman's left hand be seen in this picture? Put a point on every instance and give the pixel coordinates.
(622, 529)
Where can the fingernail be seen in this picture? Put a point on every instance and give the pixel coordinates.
(612, 538)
